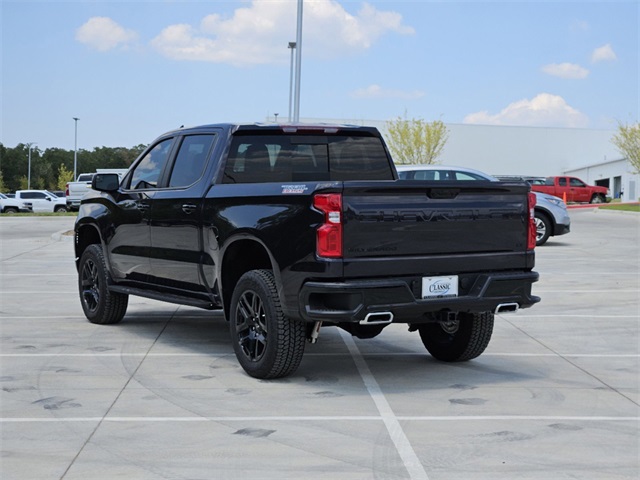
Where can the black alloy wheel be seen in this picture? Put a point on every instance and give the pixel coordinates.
(267, 344)
(99, 304)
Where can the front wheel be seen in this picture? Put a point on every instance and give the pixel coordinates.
(267, 343)
(458, 340)
(597, 198)
(10, 210)
(61, 209)
(99, 304)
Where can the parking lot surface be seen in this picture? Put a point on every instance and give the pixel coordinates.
(161, 396)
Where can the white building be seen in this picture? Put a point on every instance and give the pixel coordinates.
(535, 151)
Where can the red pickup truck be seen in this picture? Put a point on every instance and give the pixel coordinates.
(572, 189)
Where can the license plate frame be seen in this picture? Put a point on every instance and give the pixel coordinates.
(439, 287)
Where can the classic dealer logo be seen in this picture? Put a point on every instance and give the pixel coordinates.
(440, 287)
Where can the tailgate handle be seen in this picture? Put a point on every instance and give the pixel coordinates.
(445, 193)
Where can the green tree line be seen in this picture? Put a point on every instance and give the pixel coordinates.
(52, 168)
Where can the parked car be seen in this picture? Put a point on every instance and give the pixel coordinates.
(573, 189)
(525, 178)
(42, 200)
(76, 190)
(551, 215)
(11, 205)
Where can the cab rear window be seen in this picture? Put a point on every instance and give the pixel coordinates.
(285, 158)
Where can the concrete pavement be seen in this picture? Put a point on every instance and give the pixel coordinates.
(161, 396)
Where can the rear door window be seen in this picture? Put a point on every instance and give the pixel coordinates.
(191, 160)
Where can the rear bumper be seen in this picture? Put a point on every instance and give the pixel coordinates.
(74, 203)
(353, 301)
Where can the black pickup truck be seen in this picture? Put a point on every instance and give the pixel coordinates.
(288, 228)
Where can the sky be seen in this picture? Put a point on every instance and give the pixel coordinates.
(132, 70)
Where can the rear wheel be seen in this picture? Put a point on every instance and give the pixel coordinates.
(458, 340)
(267, 343)
(99, 304)
(60, 209)
(543, 228)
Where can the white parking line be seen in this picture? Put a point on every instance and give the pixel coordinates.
(403, 446)
(325, 418)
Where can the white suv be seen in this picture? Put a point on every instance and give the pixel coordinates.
(42, 200)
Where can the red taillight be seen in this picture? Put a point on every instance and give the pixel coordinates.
(329, 234)
(66, 190)
(531, 240)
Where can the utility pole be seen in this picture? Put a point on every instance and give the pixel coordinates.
(292, 46)
(29, 168)
(75, 152)
(296, 105)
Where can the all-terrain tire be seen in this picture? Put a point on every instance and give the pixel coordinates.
(266, 342)
(468, 341)
(99, 304)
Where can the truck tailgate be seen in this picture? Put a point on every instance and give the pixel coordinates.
(430, 220)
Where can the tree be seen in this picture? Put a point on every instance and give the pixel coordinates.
(2, 186)
(64, 176)
(23, 183)
(414, 141)
(628, 142)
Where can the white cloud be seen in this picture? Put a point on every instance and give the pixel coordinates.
(102, 33)
(566, 70)
(603, 53)
(376, 91)
(260, 33)
(544, 110)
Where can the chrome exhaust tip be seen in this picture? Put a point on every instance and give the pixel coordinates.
(507, 307)
(377, 318)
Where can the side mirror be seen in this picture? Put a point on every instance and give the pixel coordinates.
(105, 182)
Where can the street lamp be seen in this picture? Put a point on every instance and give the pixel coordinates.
(75, 151)
(296, 106)
(29, 168)
(292, 46)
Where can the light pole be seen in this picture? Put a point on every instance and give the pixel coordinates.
(29, 168)
(296, 106)
(75, 151)
(292, 46)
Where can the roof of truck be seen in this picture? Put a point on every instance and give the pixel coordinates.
(326, 128)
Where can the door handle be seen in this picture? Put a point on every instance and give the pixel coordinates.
(189, 208)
